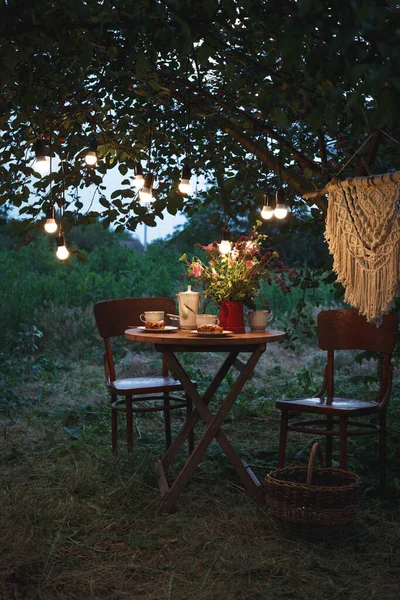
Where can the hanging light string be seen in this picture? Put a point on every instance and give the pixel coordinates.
(188, 121)
(145, 194)
(185, 186)
(267, 210)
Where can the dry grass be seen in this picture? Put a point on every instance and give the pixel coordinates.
(78, 523)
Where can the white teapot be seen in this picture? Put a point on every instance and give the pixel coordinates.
(189, 303)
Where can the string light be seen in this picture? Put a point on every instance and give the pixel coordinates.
(185, 187)
(41, 164)
(50, 225)
(91, 156)
(138, 182)
(145, 194)
(267, 212)
(62, 250)
(280, 211)
(225, 244)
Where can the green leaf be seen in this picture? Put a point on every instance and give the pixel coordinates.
(331, 278)
(142, 66)
(214, 218)
(281, 118)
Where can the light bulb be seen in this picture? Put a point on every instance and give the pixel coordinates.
(224, 246)
(50, 226)
(138, 182)
(41, 165)
(280, 211)
(267, 212)
(62, 253)
(91, 155)
(145, 195)
(185, 186)
(91, 158)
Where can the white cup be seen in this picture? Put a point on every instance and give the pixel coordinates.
(259, 319)
(206, 320)
(152, 315)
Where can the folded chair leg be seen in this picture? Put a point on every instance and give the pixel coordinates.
(382, 453)
(329, 443)
(129, 423)
(167, 420)
(283, 438)
(343, 442)
(114, 425)
(189, 408)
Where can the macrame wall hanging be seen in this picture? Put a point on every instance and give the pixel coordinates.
(363, 234)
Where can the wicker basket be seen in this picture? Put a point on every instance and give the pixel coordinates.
(313, 503)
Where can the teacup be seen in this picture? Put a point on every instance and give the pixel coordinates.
(259, 319)
(152, 315)
(206, 320)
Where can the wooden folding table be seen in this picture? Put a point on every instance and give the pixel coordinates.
(170, 344)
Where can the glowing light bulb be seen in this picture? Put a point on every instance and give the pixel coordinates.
(224, 246)
(280, 211)
(62, 250)
(267, 212)
(91, 158)
(41, 165)
(62, 253)
(138, 182)
(145, 195)
(91, 155)
(185, 187)
(50, 226)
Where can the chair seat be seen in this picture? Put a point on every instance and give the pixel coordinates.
(338, 406)
(145, 385)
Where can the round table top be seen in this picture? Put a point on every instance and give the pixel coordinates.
(192, 338)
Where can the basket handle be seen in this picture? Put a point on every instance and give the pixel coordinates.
(316, 447)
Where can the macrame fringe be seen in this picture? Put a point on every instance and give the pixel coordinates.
(363, 234)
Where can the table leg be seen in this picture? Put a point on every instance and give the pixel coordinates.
(190, 389)
(212, 431)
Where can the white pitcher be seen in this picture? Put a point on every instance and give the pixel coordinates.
(189, 303)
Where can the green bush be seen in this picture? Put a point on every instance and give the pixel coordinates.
(39, 291)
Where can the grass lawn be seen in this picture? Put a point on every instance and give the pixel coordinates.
(79, 523)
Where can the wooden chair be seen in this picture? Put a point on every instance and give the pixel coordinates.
(113, 317)
(345, 330)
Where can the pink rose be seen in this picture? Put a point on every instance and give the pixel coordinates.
(250, 263)
(197, 270)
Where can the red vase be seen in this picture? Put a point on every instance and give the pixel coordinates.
(231, 316)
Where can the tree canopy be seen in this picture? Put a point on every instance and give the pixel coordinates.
(253, 94)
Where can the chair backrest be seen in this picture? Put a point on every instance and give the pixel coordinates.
(348, 330)
(113, 317)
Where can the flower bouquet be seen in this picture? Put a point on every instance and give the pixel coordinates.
(237, 275)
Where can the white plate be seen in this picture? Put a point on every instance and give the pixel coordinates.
(210, 333)
(167, 329)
